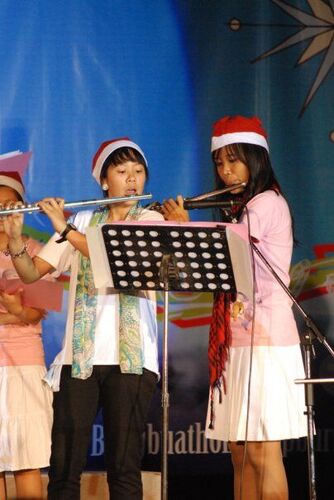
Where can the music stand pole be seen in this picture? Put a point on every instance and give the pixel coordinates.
(168, 270)
(165, 402)
(311, 332)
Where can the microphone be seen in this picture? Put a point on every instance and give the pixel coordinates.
(190, 204)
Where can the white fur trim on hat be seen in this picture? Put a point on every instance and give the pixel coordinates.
(12, 183)
(110, 148)
(235, 137)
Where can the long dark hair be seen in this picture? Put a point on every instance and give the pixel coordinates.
(261, 177)
(261, 174)
(119, 156)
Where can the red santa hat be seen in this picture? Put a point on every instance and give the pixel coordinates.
(12, 180)
(238, 129)
(106, 149)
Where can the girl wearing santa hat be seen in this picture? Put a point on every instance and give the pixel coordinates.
(254, 351)
(109, 357)
(25, 400)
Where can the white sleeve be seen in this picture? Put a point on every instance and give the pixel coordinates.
(147, 215)
(60, 255)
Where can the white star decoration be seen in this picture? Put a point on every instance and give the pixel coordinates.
(319, 27)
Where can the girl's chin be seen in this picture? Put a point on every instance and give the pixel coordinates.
(131, 200)
(123, 195)
(237, 191)
(124, 203)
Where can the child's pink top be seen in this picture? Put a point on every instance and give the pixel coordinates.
(270, 224)
(20, 345)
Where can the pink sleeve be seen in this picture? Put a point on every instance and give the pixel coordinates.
(267, 211)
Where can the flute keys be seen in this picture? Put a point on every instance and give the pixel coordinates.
(7, 207)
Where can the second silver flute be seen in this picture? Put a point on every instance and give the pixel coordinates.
(75, 204)
(226, 189)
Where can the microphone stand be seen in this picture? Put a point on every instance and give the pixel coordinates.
(309, 335)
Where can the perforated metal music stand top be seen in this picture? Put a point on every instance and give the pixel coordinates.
(201, 255)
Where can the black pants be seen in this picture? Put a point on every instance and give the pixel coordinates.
(125, 401)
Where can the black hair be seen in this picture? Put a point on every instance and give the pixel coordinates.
(261, 174)
(122, 155)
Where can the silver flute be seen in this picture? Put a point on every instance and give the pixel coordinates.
(29, 208)
(226, 189)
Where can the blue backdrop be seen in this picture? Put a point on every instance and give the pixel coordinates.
(79, 72)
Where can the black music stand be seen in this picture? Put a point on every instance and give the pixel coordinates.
(179, 257)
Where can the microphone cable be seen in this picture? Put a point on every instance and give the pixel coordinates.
(250, 356)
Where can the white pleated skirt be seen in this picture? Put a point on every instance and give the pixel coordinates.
(25, 418)
(276, 402)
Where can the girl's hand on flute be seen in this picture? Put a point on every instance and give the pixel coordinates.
(173, 210)
(13, 223)
(54, 209)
